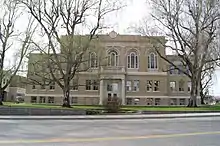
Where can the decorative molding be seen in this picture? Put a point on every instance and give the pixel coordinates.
(147, 73)
(86, 95)
(60, 95)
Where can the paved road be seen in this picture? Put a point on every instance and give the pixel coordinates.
(162, 132)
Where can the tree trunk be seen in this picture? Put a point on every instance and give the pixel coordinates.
(192, 101)
(202, 95)
(66, 100)
(1, 97)
(193, 94)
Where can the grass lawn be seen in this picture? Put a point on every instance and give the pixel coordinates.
(132, 108)
(174, 108)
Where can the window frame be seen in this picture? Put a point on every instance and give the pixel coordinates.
(152, 61)
(34, 100)
(132, 60)
(174, 90)
(93, 57)
(49, 99)
(149, 87)
(128, 86)
(181, 89)
(116, 58)
(136, 85)
(158, 86)
(52, 85)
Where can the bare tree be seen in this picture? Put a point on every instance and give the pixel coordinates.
(11, 40)
(70, 16)
(206, 81)
(191, 27)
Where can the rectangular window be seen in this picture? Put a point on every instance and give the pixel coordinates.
(109, 87)
(182, 101)
(181, 86)
(173, 101)
(136, 85)
(149, 85)
(74, 100)
(42, 87)
(42, 99)
(172, 86)
(157, 101)
(129, 101)
(95, 85)
(156, 85)
(136, 61)
(129, 63)
(128, 86)
(92, 85)
(180, 68)
(33, 99)
(149, 101)
(189, 86)
(50, 99)
(75, 84)
(88, 85)
(33, 87)
(172, 70)
(52, 85)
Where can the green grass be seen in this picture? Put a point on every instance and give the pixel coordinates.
(132, 108)
(173, 108)
(49, 106)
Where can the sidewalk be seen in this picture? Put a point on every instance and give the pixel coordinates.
(111, 117)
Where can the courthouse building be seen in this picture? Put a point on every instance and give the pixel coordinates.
(134, 73)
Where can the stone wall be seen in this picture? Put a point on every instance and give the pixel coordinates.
(6, 110)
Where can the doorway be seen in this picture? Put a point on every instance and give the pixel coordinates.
(112, 90)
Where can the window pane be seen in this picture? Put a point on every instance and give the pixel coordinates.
(136, 61)
(156, 85)
(95, 85)
(50, 99)
(148, 61)
(152, 61)
(129, 63)
(149, 85)
(189, 84)
(155, 63)
(116, 61)
(113, 58)
(93, 60)
(128, 86)
(132, 60)
(172, 71)
(136, 85)
(173, 86)
(88, 84)
(181, 85)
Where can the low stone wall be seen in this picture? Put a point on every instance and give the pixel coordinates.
(7, 110)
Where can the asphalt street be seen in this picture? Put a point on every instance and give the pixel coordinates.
(161, 132)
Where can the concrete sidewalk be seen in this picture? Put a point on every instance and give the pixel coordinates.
(111, 117)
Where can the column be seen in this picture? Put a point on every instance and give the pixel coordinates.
(101, 92)
(123, 91)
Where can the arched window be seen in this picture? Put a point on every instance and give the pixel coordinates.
(93, 60)
(132, 60)
(113, 58)
(152, 61)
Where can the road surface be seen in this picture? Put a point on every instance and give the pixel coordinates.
(161, 132)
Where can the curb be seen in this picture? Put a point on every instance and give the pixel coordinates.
(109, 117)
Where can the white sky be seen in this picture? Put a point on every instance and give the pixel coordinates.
(133, 13)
